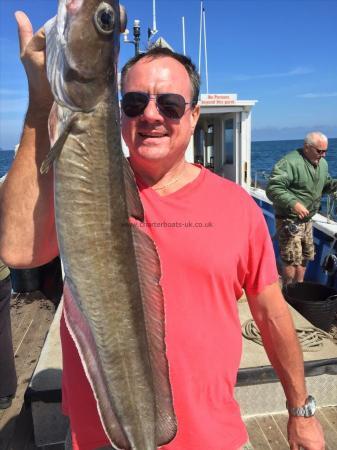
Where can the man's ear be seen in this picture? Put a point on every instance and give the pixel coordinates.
(195, 117)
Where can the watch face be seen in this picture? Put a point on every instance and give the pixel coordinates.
(310, 407)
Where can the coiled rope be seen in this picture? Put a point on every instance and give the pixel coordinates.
(310, 338)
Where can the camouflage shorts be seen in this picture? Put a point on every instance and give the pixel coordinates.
(296, 246)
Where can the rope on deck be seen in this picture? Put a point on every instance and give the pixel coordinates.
(310, 338)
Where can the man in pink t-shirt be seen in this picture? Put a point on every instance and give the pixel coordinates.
(201, 287)
(212, 241)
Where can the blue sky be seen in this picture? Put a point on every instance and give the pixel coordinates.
(281, 53)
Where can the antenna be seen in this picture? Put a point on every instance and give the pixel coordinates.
(205, 43)
(184, 42)
(200, 34)
(154, 26)
(153, 31)
(136, 36)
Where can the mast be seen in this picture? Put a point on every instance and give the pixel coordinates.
(184, 38)
(154, 26)
(153, 31)
(200, 36)
(205, 47)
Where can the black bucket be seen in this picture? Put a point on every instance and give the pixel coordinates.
(25, 280)
(316, 302)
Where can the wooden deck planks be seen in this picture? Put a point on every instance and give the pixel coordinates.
(257, 437)
(281, 421)
(331, 416)
(276, 439)
(270, 432)
(330, 431)
(31, 316)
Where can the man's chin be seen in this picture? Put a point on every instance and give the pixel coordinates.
(152, 153)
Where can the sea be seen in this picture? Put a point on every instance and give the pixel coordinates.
(264, 155)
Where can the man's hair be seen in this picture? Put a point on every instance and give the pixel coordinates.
(312, 137)
(161, 52)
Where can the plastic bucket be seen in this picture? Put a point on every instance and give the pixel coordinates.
(25, 280)
(46, 279)
(316, 302)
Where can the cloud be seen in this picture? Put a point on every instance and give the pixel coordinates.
(318, 95)
(294, 72)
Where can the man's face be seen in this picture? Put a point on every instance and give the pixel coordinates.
(315, 152)
(152, 137)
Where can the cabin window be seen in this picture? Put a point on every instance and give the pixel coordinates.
(228, 141)
(199, 144)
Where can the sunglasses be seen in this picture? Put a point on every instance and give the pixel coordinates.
(171, 106)
(318, 151)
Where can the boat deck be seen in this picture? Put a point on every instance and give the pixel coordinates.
(32, 315)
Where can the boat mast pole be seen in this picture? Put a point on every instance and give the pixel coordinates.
(184, 41)
(200, 33)
(154, 26)
(205, 43)
(152, 31)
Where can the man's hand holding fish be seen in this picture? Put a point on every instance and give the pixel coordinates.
(32, 52)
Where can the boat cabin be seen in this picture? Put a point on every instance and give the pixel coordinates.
(222, 138)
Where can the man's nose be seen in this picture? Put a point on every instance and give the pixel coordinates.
(151, 112)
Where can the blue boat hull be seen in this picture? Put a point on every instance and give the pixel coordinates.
(323, 247)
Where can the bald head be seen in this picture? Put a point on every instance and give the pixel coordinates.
(315, 146)
(317, 139)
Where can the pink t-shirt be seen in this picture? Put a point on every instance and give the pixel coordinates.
(212, 241)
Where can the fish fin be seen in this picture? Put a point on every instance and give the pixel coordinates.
(57, 136)
(149, 269)
(134, 205)
(53, 154)
(83, 339)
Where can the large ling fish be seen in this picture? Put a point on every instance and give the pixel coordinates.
(114, 307)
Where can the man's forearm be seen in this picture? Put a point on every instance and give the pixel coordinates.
(285, 354)
(274, 320)
(27, 231)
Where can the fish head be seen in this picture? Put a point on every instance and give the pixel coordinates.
(88, 35)
(92, 33)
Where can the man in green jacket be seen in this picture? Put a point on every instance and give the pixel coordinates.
(296, 185)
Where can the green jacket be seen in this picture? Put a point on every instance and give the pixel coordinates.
(294, 179)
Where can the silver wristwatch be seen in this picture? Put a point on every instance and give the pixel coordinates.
(307, 410)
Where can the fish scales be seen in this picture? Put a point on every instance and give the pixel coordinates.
(113, 305)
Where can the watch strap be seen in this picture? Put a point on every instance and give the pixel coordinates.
(307, 410)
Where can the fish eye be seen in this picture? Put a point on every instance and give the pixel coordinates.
(104, 18)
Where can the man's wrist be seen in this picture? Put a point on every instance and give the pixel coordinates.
(305, 410)
(37, 113)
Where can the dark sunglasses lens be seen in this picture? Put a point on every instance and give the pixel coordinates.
(134, 103)
(171, 105)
